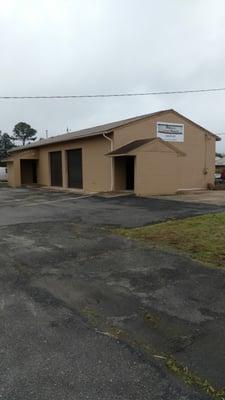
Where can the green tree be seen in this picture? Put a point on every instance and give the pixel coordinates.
(5, 144)
(23, 132)
(221, 155)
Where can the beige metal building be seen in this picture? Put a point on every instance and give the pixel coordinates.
(158, 153)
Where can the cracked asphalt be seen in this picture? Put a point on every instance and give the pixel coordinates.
(80, 305)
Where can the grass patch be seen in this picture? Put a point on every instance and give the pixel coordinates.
(200, 237)
(192, 379)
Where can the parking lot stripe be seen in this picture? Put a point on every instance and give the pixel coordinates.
(60, 199)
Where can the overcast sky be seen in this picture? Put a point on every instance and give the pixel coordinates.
(63, 47)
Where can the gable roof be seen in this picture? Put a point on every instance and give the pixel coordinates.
(100, 129)
(127, 148)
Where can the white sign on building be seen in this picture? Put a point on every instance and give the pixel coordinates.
(170, 132)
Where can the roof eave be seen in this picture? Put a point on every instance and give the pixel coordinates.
(128, 154)
(37, 145)
(196, 124)
(6, 160)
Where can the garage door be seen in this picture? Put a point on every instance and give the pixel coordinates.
(75, 175)
(56, 168)
(28, 170)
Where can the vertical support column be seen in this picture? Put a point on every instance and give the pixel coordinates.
(64, 169)
(112, 174)
(17, 172)
(48, 166)
(112, 185)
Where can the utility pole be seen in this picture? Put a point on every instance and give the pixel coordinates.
(46, 133)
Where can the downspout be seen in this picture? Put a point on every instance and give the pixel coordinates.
(112, 175)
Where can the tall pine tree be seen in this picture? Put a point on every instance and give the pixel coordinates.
(23, 133)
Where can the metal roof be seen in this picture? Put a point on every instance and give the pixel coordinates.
(99, 130)
(127, 148)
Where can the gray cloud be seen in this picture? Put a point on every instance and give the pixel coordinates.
(106, 46)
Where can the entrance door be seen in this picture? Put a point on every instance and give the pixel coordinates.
(56, 168)
(74, 163)
(28, 170)
(129, 173)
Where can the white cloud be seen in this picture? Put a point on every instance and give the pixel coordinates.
(107, 46)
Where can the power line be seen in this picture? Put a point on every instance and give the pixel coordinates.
(86, 96)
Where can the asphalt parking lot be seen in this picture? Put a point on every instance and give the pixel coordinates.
(86, 314)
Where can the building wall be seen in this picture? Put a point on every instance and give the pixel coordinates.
(198, 146)
(96, 166)
(156, 173)
(14, 175)
(157, 170)
(10, 169)
(13, 166)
